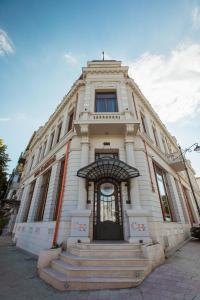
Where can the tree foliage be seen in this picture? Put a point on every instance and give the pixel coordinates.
(4, 159)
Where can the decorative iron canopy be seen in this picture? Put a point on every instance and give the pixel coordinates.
(108, 167)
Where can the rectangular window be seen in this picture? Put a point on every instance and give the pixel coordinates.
(181, 199)
(143, 123)
(70, 123)
(28, 201)
(155, 135)
(51, 140)
(44, 149)
(39, 154)
(31, 164)
(187, 201)
(106, 102)
(163, 194)
(164, 145)
(58, 189)
(59, 132)
(43, 196)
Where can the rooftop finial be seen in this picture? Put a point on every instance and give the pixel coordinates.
(103, 55)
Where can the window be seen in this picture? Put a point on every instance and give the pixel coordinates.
(39, 154)
(59, 189)
(70, 123)
(155, 135)
(59, 132)
(163, 194)
(164, 145)
(31, 164)
(106, 102)
(28, 201)
(181, 199)
(51, 140)
(43, 196)
(44, 149)
(187, 201)
(143, 123)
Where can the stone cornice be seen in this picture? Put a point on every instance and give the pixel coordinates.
(42, 130)
(147, 104)
(111, 70)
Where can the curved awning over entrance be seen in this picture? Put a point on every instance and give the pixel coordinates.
(108, 167)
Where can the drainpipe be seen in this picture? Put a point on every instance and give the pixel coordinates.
(61, 195)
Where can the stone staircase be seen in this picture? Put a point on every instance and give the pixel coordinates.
(97, 266)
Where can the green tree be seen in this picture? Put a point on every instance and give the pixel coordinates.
(4, 159)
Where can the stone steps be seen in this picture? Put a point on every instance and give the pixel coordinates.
(98, 271)
(104, 246)
(102, 261)
(105, 252)
(62, 282)
(97, 266)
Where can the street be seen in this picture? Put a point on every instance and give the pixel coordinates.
(178, 278)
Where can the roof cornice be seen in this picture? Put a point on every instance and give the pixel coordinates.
(42, 130)
(132, 83)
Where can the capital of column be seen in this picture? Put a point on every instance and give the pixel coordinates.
(84, 129)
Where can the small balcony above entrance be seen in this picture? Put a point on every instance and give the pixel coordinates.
(106, 122)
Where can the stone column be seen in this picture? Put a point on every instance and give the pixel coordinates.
(80, 216)
(137, 215)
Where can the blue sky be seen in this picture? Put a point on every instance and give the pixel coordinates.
(44, 44)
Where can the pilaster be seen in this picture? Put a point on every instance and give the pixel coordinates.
(138, 224)
(80, 217)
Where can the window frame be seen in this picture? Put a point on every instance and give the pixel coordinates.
(158, 170)
(143, 121)
(106, 105)
(52, 136)
(70, 121)
(155, 134)
(43, 196)
(31, 163)
(29, 201)
(44, 149)
(59, 129)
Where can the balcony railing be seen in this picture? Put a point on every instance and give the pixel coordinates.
(106, 122)
(106, 116)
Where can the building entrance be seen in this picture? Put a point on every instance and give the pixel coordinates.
(107, 215)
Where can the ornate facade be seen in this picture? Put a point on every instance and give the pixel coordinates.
(103, 168)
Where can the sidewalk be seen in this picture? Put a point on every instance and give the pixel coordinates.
(177, 279)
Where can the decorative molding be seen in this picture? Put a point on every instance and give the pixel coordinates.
(147, 104)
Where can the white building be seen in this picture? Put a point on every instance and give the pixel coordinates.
(131, 184)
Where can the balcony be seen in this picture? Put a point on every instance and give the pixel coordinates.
(176, 161)
(106, 123)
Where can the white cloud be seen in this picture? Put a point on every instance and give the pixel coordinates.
(6, 45)
(70, 58)
(5, 119)
(171, 84)
(196, 17)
